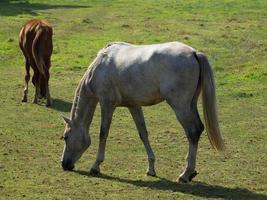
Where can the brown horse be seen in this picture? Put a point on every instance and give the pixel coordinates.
(35, 41)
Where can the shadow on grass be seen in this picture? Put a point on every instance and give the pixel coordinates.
(61, 105)
(194, 188)
(17, 7)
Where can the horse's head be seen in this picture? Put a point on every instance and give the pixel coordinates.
(76, 142)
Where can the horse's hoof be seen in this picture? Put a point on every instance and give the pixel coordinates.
(24, 100)
(94, 172)
(48, 103)
(192, 175)
(151, 173)
(183, 179)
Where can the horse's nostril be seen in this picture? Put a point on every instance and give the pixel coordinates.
(67, 165)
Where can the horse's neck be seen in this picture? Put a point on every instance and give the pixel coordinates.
(80, 113)
(84, 105)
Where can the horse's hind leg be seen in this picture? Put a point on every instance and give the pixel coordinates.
(139, 120)
(189, 118)
(107, 110)
(27, 78)
(48, 97)
(36, 83)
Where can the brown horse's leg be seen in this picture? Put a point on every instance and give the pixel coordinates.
(107, 110)
(48, 97)
(139, 120)
(27, 78)
(36, 82)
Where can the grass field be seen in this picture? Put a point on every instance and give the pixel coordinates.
(233, 33)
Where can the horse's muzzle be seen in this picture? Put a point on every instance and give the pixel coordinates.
(67, 165)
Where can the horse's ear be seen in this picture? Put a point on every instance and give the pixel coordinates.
(67, 120)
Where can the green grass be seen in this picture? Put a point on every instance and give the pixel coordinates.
(234, 36)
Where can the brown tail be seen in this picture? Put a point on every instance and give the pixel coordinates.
(37, 52)
(209, 102)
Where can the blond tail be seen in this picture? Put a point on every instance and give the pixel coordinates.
(209, 102)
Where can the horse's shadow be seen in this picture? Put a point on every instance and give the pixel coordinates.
(61, 105)
(195, 188)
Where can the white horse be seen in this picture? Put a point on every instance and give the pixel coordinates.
(129, 75)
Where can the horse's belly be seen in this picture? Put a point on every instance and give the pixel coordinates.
(140, 97)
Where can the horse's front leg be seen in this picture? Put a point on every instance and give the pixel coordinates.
(107, 110)
(139, 120)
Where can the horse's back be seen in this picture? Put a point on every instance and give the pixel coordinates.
(141, 73)
(29, 32)
(122, 51)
